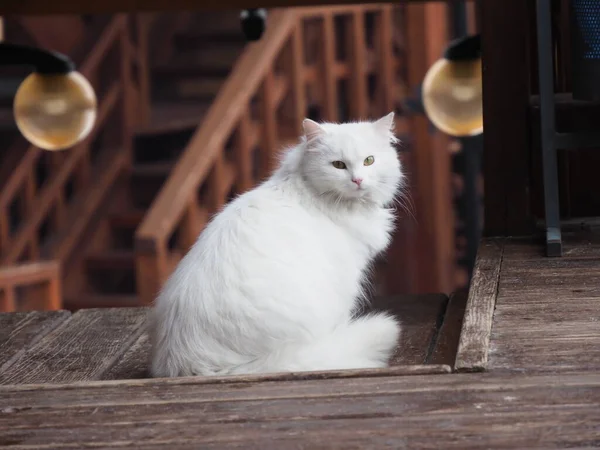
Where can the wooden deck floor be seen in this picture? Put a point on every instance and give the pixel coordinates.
(547, 316)
(540, 387)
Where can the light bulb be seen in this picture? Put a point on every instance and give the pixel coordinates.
(452, 96)
(56, 111)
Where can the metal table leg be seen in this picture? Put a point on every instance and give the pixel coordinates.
(547, 113)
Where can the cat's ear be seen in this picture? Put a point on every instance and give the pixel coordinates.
(312, 129)
(386, 123)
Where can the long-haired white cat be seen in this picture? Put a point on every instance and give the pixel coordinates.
(274, 281)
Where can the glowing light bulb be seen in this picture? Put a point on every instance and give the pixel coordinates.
(452, 97)
(452, 89)
(55, 112)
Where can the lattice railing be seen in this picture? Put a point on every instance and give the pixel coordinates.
(49, 200)
(32, 286)
(338, 60)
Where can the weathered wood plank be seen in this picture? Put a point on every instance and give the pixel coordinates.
(547, 316)
(110, 344)
(133, 364)
(582, 244)
(446, 344)
(82, 348)
(414, 412)
(476, 329)
(296, 409)
(113, 393)
(552, 354)
(536, 429)
(20, 331)
(420, 317)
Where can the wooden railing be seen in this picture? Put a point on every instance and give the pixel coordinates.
(39, 283)
(51, 197)
(259, 109)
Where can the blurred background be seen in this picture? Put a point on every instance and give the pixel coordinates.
(190, 114)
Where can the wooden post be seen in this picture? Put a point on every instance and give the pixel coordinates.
(427, 36)
(297, 73)
(357, 51)
(54, 294)
(7, 299)
(151, 272)
(192, 223)
(505, 117)
(269, 126)
(385, 58)
(143, 29)
(216, 198)
(400, 258)
(243, 154)
(129, 117)
(4, 229)
(330, 100)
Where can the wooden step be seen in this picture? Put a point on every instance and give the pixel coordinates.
(93, 300)
(196, 89)
(128, 219)
(111, 260)
(160, 169)
(146, 181)
(216, 60)
(175, 117)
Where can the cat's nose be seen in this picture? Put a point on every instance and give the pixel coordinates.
(357, 181)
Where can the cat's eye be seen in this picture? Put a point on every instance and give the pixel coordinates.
(339, 164)
(369, 160)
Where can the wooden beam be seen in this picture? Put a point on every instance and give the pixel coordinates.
(473, 345)
(505, 117)
(117, 6)
(427, 36)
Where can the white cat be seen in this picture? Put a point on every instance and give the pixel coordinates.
(273, 282)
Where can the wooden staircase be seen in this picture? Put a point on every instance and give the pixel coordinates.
(183, 87)
(118, 211)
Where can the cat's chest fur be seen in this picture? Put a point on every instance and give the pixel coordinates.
(368, 229)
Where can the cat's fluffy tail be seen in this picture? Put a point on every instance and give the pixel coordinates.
(365, 342)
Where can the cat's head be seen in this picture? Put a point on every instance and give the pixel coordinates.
(352, 161)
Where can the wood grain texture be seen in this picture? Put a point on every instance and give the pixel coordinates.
(476, 329)
(82, 348)
(459, 410)
(133, 364)
(446, 344)
(20, 331)
(420, 317)
(547, 316)
(112, 344)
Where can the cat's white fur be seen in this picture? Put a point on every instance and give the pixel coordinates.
(273, 282)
